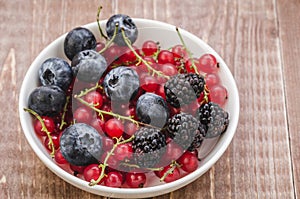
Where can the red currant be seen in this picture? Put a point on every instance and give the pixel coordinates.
(123, 151)
(179, 51)
(208, 63)
(135, 180)
(55, 139)
(211, 79)
(161, 91)
(77, 169)
(149, 48)
(94, 98)
(130, 128)
(59, 158)
(189, 65)
(188, 162)
(169, 69)
(114, 128)
(49, 124)
(98, 124)
(83, 115)
(218, 94)
(107, 143)
(113, 179)
(173, 152)
(170, 173)
(92, 171)
(149, 83)
(165, 56)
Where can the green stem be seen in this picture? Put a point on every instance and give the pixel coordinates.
(150, 68)
(44, 129)
(108, 44)
(98, 22)
(110, 153)
(187, 50)
(173, 166)
(102, 112)
(64, 113)
(86, 91)
(138, 167)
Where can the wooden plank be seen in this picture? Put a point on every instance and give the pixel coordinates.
(260, 159)
(289, 32)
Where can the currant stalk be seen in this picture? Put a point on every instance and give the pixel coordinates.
(64, 113)
(110, 153)
(44, 129)
(187, 50)
(98, 22)
(109, 42)
(119, 117)
(140, 59)
(86, 91)
(173, 166)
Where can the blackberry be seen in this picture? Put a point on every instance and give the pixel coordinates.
(183, 129)
(148, 147)
(214, 118)
(183, 89)
(199, 137)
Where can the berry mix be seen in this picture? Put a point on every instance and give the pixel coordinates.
(115, 114)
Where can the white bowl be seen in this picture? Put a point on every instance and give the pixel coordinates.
(167, 36)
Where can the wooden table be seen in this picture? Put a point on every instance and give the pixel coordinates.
(258, 39)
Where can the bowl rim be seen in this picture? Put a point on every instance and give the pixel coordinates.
(129, 192)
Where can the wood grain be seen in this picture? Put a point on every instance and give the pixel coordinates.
(259, 40)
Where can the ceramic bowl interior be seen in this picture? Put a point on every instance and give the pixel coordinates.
(167, 36)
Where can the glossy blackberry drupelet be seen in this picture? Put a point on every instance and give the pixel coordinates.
(199, 137)
(77, 40)
(124, 22)
(81, 144)
(89, 66)
(183, 89)
(47, 100)
(152, 109)
(214, 118)
(183, 129)
(56, 71)
(121, 84)
(149, 145)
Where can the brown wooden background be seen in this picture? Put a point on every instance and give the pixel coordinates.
(258, 39)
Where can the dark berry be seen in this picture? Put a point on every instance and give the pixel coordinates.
(77, 40)
(152, 109)
(148, 145)
(183, 89)
(47, 100)
(56, 71)
(121, 84)
(182, 128)
(124, 22)
(89, 66)
(81, 144)
(214, 118)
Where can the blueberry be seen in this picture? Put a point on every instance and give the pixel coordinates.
(56, 71)
(88, 65)
(47, 100)
(81, 144)
(121, 84)
(126, 23)
(152, 109)
(77, 40)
